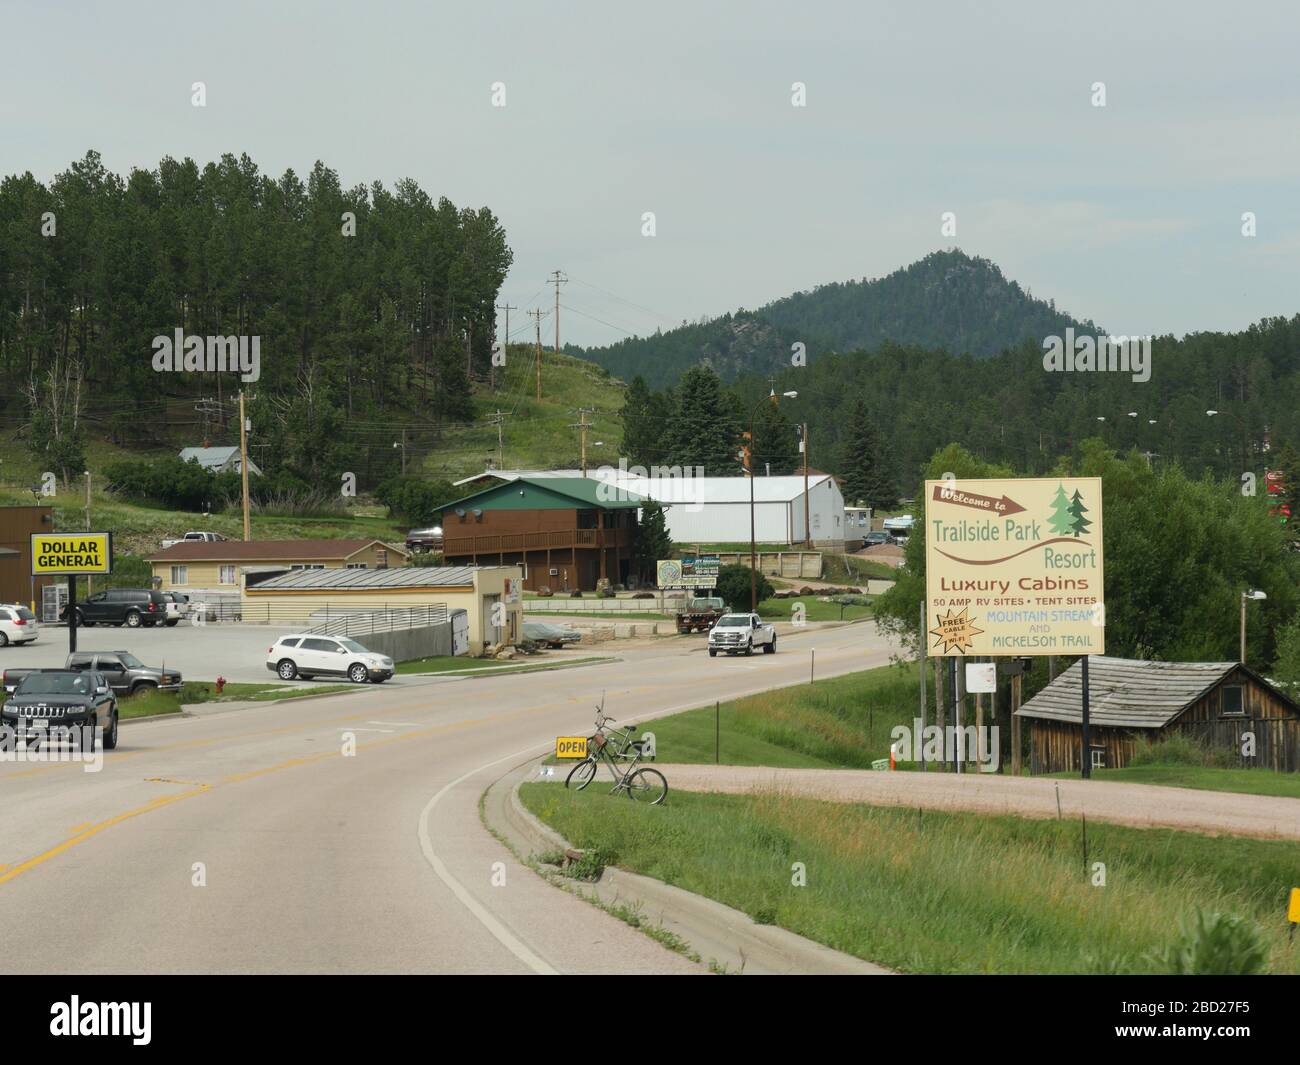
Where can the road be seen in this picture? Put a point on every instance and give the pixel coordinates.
(314, 861)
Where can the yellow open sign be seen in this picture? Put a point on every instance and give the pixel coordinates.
(570, 746)
(60, 554)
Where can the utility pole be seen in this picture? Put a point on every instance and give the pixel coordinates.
(498, 419)
(536, 312)
(557, 279)
(807, 530)
(243, 461)
(505, 342)
(90, 581)
(582, 425)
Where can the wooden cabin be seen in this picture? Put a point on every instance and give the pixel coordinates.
(1130, 701)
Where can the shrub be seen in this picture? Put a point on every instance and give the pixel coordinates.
(1215, 944)
(733, 586)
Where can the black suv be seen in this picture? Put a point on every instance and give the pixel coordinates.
(131, 607)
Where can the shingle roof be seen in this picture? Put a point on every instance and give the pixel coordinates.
(265, 550)
(1127, 692)
(361, 579)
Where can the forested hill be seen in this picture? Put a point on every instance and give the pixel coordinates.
(947, 300)
(369, 302)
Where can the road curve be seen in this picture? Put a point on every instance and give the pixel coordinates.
(248, 842)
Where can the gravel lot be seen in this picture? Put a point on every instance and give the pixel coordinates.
(1141, 805)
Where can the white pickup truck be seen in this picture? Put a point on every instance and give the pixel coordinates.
(740, 634)
(195, 537)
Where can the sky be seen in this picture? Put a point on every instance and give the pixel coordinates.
(1129, 213)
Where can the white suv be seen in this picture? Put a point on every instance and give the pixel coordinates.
(17, 624)
(303, 654)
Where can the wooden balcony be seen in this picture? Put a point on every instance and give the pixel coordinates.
(562, 540)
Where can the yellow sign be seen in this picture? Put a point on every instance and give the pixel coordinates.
(1293, 908)
(61, 554)
(570, 746)
(1014, 567)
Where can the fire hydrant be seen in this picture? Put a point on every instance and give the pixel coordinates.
(221, 683)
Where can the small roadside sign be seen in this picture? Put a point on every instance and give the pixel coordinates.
(1293, 908)
(570, 746)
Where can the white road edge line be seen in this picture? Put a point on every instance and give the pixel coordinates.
(500, 932)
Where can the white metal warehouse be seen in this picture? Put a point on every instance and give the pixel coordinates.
(716, 509)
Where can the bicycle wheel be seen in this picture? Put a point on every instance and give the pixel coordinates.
(581, 775)
(648, 785)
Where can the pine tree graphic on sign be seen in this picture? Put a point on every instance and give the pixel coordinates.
(1077, 511)
(1062, 520)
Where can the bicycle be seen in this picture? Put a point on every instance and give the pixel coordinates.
(640, 784)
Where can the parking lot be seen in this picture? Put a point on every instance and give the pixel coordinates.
(201, 652)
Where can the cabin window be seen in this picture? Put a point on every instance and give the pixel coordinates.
(1232, 705)
(1099, 758)
(180, 575)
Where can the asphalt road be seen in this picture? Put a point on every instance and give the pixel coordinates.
(315, 861)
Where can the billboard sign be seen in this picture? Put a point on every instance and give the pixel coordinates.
(694, 572)
(1014, 567)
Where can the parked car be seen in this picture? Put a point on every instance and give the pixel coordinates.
(701, 615)
(872, 539)
(59, 697)
(425, 539)
(178, 606)
(17, 624)
(125, 673)
(305, 655)
(549, 635)
(196, 537)
(131, 607)
(740, 634)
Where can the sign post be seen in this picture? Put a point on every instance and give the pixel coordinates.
(71, 554)
(1015, 567)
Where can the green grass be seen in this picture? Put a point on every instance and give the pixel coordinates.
(446, 664)
(849, 569)
(843, 722)
(153, 702)
(938, 893)
(1208, 778)
(814, 609)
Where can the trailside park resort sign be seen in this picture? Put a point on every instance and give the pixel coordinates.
(1014, 567)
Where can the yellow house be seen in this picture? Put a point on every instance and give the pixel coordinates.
(196, 565)
(491, 596)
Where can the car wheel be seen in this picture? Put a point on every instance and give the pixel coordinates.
(143, 686)
(133, 619)
(110, 735)
(286, 669)
(4, 640)
(770, 649)
(749, 650)
(713, 653)
(358, 674)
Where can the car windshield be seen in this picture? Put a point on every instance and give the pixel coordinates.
(733, 621)
(354, 647)
(130, 661)
(55, 684)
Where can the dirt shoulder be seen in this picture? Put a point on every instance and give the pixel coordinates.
(1139, 805)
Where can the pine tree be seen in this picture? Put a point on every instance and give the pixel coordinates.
(1061, 520)
(867, 480)
(652, 541)
(643, 424)
(1080, 524)
(776, 443)
(702, 430)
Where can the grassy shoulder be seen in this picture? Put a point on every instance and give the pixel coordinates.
(1206, 778)
(839, 723)
(941, 893)
(154, 702)
(814, 609)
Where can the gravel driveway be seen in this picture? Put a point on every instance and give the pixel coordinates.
(1141, 805)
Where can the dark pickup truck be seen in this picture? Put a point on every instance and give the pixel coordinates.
(56, 699)
(125, 673)
(701, 615)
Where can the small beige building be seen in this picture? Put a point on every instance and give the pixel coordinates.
(491, 596)
(196, 565)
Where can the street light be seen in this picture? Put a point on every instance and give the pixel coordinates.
(774, 399)
(1254, 593)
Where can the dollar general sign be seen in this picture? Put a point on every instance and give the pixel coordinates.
(65, 554)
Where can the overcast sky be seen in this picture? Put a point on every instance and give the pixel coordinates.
(1129, 214)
